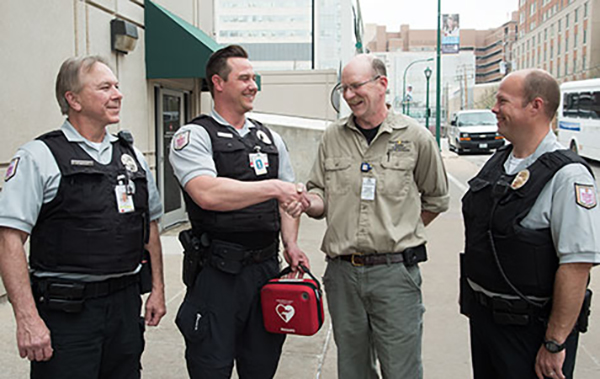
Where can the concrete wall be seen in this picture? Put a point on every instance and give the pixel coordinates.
(297, 93)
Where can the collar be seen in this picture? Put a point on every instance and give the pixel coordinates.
(393, 121)
(73, 135)
(546, 145)
(218, 118)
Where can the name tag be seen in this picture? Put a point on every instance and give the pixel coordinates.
(224, 135)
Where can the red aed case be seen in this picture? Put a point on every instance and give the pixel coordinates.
(292, 306)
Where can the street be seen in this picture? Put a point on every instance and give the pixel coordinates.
(446, 342)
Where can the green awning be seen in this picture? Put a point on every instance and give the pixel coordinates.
(174, 47)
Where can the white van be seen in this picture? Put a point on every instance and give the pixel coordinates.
(474, 130)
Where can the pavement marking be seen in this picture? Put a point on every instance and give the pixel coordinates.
(457, 183)
(590, 355)
(324, 351)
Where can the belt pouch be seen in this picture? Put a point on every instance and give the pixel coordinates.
(146, 274)
(506, 312)
(67, 297)
(227, 257)
(584, 315)
(414, 255)
(466, 295)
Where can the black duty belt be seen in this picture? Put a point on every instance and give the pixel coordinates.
(409, 257)
(61, 288)
(232, 258)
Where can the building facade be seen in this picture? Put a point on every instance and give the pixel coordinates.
(289, 34)
(493, 48)
(560, 36)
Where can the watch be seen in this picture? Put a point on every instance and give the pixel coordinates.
(554, 347)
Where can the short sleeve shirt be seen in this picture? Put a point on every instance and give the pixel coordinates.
(195, 158)
(575, 228)
(34, 178)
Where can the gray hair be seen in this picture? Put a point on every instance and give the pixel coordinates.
(69, 77)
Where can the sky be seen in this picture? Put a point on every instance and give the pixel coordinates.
(422, 14)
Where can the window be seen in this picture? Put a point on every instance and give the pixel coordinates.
(566, 44)
(532, 9)
(551, 51)
(522, 18)
(576, 17)
(559, 26)
(551, 30)
(567, 21)
(545, 34)
(532, 25)
(575, 40)
(574, 63)
(558, 70)
(583, 64)
(566, 67)
(585, 10)
(584, 36)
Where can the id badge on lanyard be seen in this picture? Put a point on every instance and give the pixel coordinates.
(260, 162)
(124, 193)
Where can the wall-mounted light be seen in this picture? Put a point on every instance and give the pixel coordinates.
(123, 35)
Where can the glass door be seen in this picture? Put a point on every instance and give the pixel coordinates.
(170, 118)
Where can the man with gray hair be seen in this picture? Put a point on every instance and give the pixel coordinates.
(378, 180)
(88, 204)
(531, 238)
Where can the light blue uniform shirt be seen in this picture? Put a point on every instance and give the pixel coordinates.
(196, 158)
(36, 179)
(575, 230)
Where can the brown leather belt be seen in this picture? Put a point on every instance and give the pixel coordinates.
(409, 257)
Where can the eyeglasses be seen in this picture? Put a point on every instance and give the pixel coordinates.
(354, 86)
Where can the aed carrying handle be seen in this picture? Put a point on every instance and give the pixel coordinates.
(305, 270)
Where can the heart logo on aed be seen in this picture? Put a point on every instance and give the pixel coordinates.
(286, 312)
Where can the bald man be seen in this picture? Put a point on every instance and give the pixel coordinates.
(531, 225)
(379, 180)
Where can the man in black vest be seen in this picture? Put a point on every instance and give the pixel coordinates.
(89, 204)
(235, 173)
(531, 223)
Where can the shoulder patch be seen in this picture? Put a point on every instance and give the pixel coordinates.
(585, 195)
(181, 140)
(12, 169)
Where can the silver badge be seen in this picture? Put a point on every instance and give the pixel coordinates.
(263, 137)
(129, 163)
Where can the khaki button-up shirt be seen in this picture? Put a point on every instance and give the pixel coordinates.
(409, 175)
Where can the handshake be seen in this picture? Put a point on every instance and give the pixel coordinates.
(296, 201)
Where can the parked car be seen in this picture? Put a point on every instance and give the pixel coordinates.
(474, 130)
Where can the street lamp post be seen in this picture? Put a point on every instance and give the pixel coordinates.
(427, 76)
(404, 81)
(438, 74)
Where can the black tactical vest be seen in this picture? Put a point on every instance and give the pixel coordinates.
(527, 256)
(254, 226)
(81, 229)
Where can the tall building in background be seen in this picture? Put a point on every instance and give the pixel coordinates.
(278, 34)
(493, 48)
(560, 36)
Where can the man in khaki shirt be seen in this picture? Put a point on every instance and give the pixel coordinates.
(378, 180)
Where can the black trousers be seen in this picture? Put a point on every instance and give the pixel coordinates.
(508, 351)
(105, 340)
(221, 321)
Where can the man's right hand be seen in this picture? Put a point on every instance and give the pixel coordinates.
(296, 202)
(33, 339)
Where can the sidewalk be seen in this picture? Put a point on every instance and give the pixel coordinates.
(445, 342)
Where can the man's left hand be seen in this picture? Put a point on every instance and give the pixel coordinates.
(155, 307)
(548, 364)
